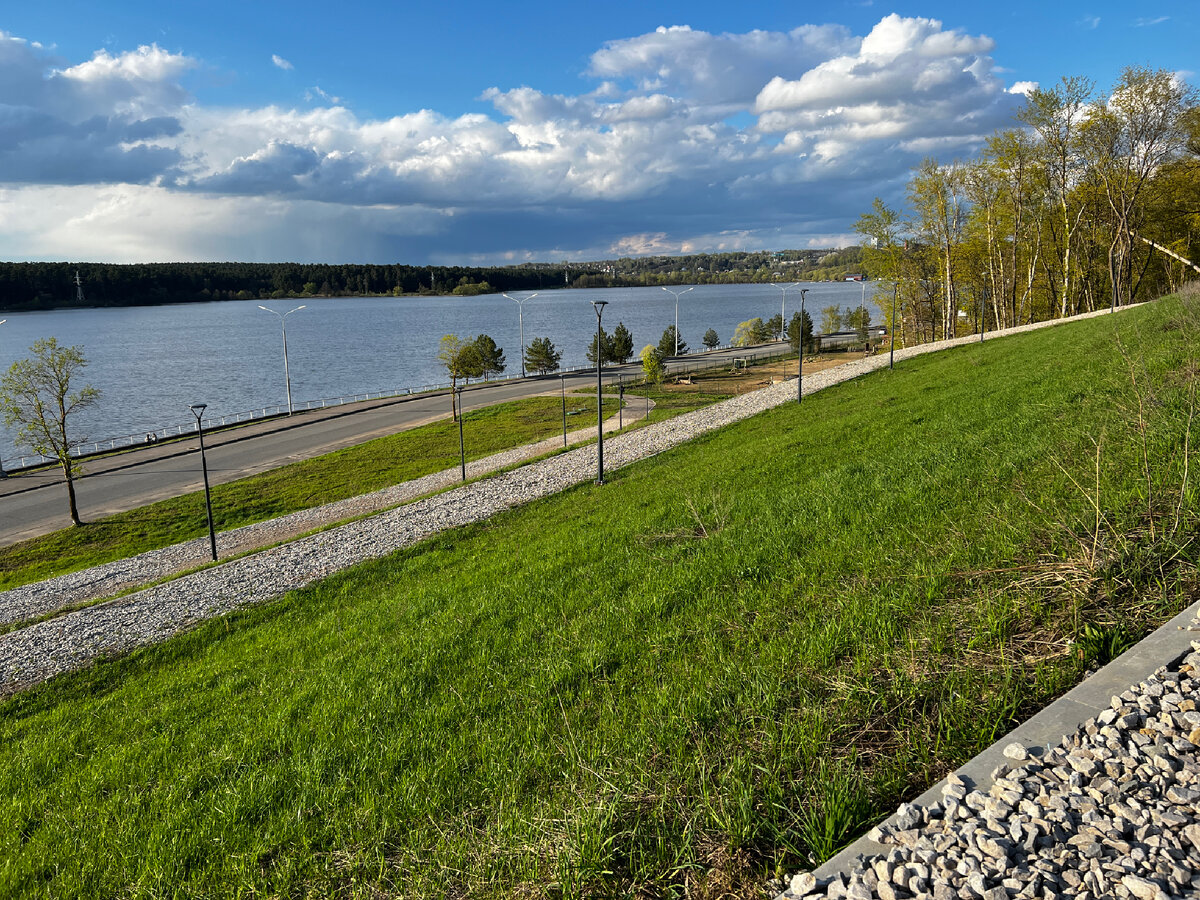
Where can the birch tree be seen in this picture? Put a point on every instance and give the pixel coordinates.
(36, 395)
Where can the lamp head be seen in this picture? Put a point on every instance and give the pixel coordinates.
(198, 409)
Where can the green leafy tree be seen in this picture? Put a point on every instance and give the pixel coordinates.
(541, 356)
(606, 348)
(491, 357)
(712, 340)
(468, 288)
(622, 344)
(668, 346)
(859, 319)
(800, 332)
(752, 331)
(461, 359)
(881, 227)
(831, 319)
(775, 326)
(1056, 114)
(652, 364)
(36, 396)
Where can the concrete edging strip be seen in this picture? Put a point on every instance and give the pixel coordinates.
(1162, 647)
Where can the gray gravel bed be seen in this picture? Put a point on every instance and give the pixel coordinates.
(1111, 811)
(40, 598)
(40, 651)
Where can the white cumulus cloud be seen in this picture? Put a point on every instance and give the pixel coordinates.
(683, 139)
(281, 63)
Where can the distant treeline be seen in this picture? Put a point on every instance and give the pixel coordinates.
(46, 285)
(51, 285)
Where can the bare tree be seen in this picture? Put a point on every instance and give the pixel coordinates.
(1128, 138)
(36, 396)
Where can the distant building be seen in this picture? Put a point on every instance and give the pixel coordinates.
(856, 277)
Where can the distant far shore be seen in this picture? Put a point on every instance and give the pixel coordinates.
(33, 286)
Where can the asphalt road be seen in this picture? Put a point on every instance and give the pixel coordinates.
(35, 504)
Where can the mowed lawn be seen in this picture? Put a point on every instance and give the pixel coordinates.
(718, 666)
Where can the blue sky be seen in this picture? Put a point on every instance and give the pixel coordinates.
(464, 132)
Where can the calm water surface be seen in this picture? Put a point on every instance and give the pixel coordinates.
(150, 363)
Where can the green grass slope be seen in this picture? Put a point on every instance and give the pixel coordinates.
(723, 663)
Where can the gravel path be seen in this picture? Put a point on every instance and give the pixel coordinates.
(73, 640)
(1111, 811)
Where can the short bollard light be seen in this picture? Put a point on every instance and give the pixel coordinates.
(198, 411)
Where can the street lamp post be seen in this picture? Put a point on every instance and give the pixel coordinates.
(599, 305)
(283, 324)
(462, 453)
(892, 352)
(562, 379)
(198, 411)
(800, 355)
(982, 313)
(677, 295)
(782, 304)
(521, 323)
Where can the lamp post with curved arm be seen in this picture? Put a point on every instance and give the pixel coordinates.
(521, 323)
(782, 303)
(892, 352)
(198, 411)
(677, 295)
(599, 305)
(562, 381)
(287, 377)
(800, 356)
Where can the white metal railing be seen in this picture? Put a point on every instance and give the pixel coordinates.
(149, 438)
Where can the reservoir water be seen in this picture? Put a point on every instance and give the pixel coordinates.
(151, 362)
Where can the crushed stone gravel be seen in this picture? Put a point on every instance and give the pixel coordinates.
(1111, 811)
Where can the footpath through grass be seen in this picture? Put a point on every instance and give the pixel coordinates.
(720, 665)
